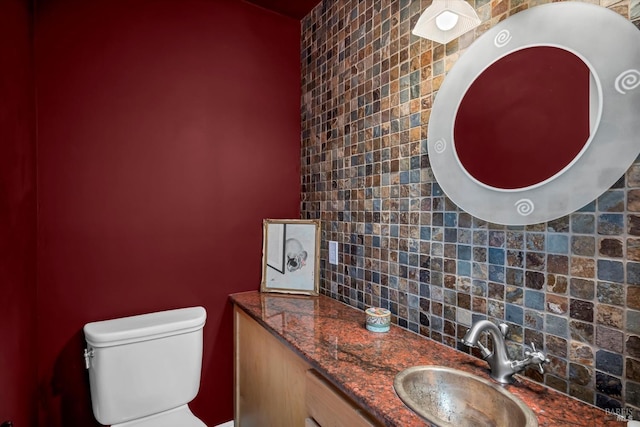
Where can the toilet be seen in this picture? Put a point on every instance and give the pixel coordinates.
(145, 369)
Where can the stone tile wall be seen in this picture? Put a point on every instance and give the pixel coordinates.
(571, 286)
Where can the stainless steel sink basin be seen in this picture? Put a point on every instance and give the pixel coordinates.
(449, 397)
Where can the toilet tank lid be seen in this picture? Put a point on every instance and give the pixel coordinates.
(144, 327)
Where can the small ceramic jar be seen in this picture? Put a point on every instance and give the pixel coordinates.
(378, 319)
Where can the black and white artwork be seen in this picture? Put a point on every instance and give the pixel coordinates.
(290, 256)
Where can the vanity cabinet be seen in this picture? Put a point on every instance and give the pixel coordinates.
(276, 387)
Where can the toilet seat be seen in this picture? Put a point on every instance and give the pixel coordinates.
(180, 416)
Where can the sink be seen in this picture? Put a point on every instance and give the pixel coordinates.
(452, 398)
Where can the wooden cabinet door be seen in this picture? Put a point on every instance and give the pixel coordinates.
(329, 407)
(269, 378)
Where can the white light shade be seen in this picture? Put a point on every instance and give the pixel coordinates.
(445, 20)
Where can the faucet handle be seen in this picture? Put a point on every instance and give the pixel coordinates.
(504, 328)
(538, 357)
(484, 350)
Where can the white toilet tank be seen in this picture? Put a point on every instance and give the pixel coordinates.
(146, 364)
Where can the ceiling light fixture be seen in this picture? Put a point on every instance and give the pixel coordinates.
(446, 20)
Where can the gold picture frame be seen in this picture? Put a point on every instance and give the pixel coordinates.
(291, 256)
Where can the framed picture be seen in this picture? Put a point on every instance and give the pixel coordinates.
(291, 256)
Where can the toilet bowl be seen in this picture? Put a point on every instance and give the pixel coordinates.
(144, 370)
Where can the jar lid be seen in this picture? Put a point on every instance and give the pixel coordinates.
(378, 312)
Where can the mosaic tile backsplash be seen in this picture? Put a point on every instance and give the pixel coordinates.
(571, 286)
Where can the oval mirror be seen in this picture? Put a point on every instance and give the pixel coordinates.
(539, 116)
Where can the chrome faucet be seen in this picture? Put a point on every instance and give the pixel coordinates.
(502, 367)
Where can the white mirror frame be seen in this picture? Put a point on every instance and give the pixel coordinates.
(610, 46)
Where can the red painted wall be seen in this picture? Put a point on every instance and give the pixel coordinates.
(17, 216)
(167, 130)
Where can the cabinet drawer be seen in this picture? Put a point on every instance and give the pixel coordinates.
(330, 407)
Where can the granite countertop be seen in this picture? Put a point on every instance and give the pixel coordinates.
(332, 338)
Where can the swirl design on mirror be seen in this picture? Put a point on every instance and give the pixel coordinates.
(502, 38)
(627, 80)
(524, 207)
(440, 145)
